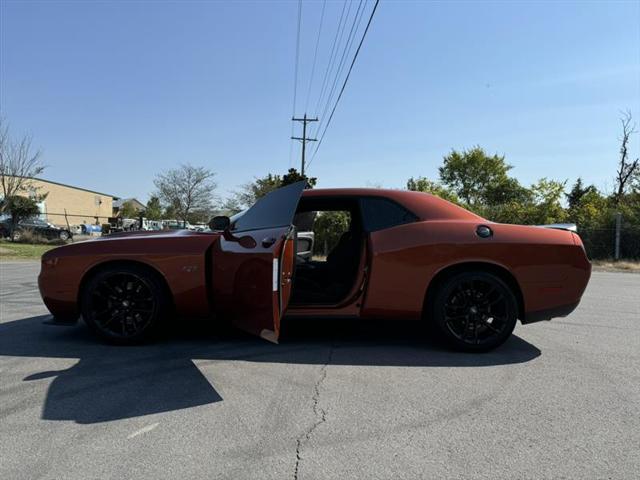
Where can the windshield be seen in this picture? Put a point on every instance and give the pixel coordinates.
(275, 209)
(234, 218)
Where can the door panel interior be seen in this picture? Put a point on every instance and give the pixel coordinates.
(252, 264)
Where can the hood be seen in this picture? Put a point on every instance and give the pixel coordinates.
(138, 243)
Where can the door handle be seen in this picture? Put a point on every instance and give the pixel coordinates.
(268, 241)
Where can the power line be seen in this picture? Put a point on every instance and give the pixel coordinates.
(331, 56)
(355, 25)
(315, 55)
(295, 76)
(375, 6)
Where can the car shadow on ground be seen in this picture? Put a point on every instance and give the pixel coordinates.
(110, 382)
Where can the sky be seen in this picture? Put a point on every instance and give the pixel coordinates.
(114, 92)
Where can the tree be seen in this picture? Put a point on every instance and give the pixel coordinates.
(128, 210)
(170, 212)
(588, 208)
(506, 191)
(627, 169)
(251, 192)
(578, 191)
(293, 176)
(546, 197)
(19, 163)
(472, 173)
(423, 184)
(186, 189)
(153, 209)
(19, 208)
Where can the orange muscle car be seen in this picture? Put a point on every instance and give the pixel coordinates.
(389, 254)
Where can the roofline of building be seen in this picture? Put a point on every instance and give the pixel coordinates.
(72, 186)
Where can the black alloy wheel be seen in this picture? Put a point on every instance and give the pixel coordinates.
(475, 311)
(125, 304)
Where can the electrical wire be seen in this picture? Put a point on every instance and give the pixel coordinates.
(315, 56)
(344, 85)
(355, 25)
(295, 79)
(331, 58)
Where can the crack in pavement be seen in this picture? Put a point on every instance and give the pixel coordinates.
(319, 413)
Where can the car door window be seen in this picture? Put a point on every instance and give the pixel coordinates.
(275, 209)
(381, 213)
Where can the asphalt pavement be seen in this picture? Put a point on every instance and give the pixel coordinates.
(341, 400)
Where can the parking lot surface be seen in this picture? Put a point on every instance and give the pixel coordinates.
(334, 400)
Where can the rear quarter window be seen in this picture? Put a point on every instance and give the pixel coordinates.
(382, 213)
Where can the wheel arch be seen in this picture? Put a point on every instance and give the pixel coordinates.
(500, 271)
(97, 268)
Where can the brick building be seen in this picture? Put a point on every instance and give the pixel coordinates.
(80, 204)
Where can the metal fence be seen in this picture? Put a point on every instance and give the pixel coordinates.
(600, 243)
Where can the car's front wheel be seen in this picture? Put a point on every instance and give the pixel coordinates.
(64, 235)
(124, 304)
(474, 311)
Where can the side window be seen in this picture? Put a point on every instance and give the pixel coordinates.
(380, 213)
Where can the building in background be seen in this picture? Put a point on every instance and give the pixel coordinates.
(134, 203)
(66, 203)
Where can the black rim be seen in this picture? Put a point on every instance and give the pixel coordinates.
(476, 311)
(122, 304)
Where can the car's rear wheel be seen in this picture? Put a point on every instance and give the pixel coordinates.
(124, 304)
(64, 235)
(16, 235)
(474, 311)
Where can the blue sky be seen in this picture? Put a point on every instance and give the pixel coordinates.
(116, 91)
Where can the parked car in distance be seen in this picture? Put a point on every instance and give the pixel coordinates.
(151, 224)
(37, 226)
(176, 225)
(200, 227)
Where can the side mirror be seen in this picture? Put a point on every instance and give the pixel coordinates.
(220, 223)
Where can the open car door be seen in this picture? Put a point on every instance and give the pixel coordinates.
(253, 264)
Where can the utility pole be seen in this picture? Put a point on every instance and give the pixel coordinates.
(304, 138)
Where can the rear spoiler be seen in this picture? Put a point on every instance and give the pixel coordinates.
(572, 227)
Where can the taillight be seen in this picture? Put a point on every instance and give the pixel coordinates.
(578, 241)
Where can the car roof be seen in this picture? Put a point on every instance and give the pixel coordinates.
(424, 205)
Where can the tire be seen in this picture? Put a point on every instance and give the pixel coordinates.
(64, 235)
(16, 236)
(125, 304)
(474, 311)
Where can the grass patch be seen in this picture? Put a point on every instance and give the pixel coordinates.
(22, 251)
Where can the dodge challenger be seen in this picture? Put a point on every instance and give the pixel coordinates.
(397, 255)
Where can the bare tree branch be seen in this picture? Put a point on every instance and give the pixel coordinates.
(187, 189)
(19, 163)
(626, 168)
